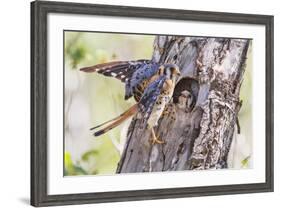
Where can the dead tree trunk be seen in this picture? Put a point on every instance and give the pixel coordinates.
(199, 131)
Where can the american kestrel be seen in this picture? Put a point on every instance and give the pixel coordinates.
(151, 84)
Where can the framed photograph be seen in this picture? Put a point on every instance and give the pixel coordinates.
(131, 103)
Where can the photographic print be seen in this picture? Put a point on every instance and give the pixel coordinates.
(135, 103)
(138, 103)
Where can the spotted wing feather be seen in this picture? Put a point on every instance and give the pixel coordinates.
(133, 73)
(118, 69)
(150, 97)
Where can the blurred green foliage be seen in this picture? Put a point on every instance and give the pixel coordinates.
(245, 162)
(75, 51)
(70, 168)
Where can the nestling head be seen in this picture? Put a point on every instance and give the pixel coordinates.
(171, 71)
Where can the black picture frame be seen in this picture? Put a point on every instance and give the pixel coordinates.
(39, 98)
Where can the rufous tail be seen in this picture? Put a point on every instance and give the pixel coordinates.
(115, 121)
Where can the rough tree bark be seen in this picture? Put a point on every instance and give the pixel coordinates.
(199, 129)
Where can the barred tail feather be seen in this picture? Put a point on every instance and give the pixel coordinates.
(116, 121)
(104, 123)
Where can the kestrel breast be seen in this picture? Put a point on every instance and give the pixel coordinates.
(157, 110)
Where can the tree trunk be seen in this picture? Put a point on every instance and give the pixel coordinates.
(202, 118)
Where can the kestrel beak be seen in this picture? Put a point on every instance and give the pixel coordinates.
(178, 72)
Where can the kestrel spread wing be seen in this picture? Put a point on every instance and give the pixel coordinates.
(132, 73)
(150, 97)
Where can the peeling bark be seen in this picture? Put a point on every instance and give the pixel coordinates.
(199, 129)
